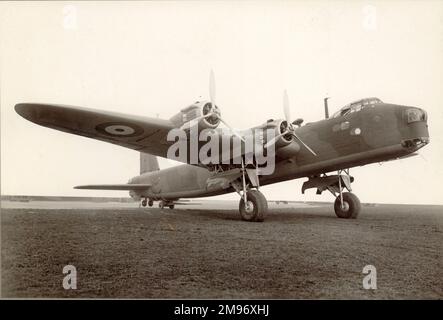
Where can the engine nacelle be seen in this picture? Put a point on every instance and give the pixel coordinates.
(285, 147)
(198, 110)
(288, 151)
(281, 126)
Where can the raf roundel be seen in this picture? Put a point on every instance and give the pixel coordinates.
(119, 129)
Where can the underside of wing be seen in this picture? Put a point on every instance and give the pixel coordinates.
(139, 133)
(115, 187)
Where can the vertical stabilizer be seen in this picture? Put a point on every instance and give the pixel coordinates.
(148, 163)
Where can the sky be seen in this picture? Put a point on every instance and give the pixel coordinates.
(154, 58)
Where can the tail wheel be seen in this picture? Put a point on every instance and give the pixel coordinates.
(256, 206)
(351, 206)
(171, 206)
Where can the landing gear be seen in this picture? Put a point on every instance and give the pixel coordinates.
(171, 206)
(146, 202)
(255, 207)
(253, 204)
(346, 205)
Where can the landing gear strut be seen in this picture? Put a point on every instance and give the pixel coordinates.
(346, 205)
(253, 204)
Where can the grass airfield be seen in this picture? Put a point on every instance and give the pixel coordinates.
(204, 250)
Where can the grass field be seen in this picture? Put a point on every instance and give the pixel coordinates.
(300, 251)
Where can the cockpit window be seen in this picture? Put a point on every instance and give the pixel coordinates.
(356, 106)
(344, 111)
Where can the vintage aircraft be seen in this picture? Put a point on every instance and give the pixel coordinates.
(360, 133)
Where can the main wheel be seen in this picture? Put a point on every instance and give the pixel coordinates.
(351, 206)
(150, 203)
(256, 207)
(144, 203)
(171, 206)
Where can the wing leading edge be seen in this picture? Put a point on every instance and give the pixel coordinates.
(138, 133)
(143, 134)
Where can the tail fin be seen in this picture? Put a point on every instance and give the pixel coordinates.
(148, 163)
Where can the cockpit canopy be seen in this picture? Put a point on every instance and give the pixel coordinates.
(356, 106)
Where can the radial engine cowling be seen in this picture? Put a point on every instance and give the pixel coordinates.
(208, 116)
(280, 127)
(285, 147)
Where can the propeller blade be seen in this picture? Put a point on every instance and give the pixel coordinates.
(232, 129)
(286, 109)
(212, 98)
(212, 87)
(306, 146)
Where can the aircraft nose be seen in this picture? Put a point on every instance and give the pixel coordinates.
(415, 114)
(415, 122)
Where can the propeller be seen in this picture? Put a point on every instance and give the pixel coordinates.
(286, 109)
(290, 128)
(212, 112)
(212, 87)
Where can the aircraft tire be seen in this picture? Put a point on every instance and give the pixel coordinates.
(259, 207)
(171, 206)
(352, 206)
(144, 203)
(150, 203)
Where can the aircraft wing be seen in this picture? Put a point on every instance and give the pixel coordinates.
(142, 134)
(139, 133)
(114, 187)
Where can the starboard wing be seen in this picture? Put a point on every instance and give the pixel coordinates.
(139, 133)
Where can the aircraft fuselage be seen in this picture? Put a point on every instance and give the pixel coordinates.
(373, 134)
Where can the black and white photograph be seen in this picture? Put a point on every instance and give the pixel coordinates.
(221, 151)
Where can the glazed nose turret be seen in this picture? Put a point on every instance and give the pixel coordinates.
(415, 120)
